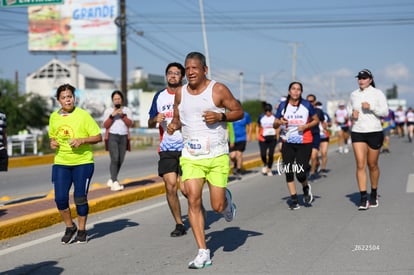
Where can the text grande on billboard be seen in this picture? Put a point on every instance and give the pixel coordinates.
(104, 11)
(76, 25)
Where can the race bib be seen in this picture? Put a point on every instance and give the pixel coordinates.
(341, 120)
(198, 146)
(269, 132)
(283, 132)
(286, 134)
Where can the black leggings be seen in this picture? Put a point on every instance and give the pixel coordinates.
(296, 160)
(267, 150)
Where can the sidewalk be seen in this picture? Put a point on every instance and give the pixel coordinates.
(23, 217)
(20, 218)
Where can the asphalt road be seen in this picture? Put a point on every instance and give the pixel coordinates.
(33, 182)
(331, 237)
(22, 182)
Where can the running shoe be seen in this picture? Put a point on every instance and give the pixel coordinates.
(324, 172)
(346, 150)
(230, 211)
(81, 237)
(307, 195)
(373, 202)
(237, 173)
(201, 260)
(69, 232)
(178, 231)
(109, 183)
(294, 205)
(269, 174)
(364, 204)
(264, 170)
(116, 186)
(313, 177)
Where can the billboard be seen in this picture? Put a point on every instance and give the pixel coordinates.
(96, 101)
(76, 25)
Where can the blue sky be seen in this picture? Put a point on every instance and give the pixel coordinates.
(334, 40)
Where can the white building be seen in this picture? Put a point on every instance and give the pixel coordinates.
(93, 87)
(393, 104)
(155, 82)
(46, 79)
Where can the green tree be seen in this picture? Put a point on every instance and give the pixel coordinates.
(36, 111)
(143, 84)
(22, 111)
(10, 104)
(254, 108)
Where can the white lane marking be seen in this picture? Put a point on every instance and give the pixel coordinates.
(410, 183)
(89, 226)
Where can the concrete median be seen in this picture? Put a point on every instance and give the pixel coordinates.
(41, 213)
(22, 218)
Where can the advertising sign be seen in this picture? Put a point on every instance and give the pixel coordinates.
(96, 101)
(76, 25)
(21, 3)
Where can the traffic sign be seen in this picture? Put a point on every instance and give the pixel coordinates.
(22, 3)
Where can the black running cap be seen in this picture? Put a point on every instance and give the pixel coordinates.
(365, 73)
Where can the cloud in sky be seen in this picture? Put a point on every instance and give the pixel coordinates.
(343, 73)
(327, 85)
(397, 72)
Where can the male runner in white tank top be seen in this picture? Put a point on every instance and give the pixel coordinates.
(201, 110)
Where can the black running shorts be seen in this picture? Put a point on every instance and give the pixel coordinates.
(238, 146)
(169, 162)
(373, 139)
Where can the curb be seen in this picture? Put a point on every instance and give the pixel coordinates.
(41, 219)
(45, 218)
(24, 161)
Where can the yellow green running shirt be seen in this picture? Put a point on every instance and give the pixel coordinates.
(63, 128)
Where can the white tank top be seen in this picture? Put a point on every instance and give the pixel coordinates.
(201, 140)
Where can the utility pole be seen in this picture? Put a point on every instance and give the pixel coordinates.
(74, 70)
(16, 80)
(124, 73)
(203, 27)
(241, 87)
(294, 57)
(262, 88)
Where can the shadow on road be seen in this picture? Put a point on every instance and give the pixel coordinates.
(140, 182)
(3, 212)
(26, 199)
(47, 267)
(354, 198)
(101, 229)
(231, 238)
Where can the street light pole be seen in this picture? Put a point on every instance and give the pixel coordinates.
(241, 87)
(203, 26)
(262, 88)
(294, 57)
(124, 72)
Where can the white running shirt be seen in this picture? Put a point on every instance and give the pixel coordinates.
(201, 140)
(369, 120)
